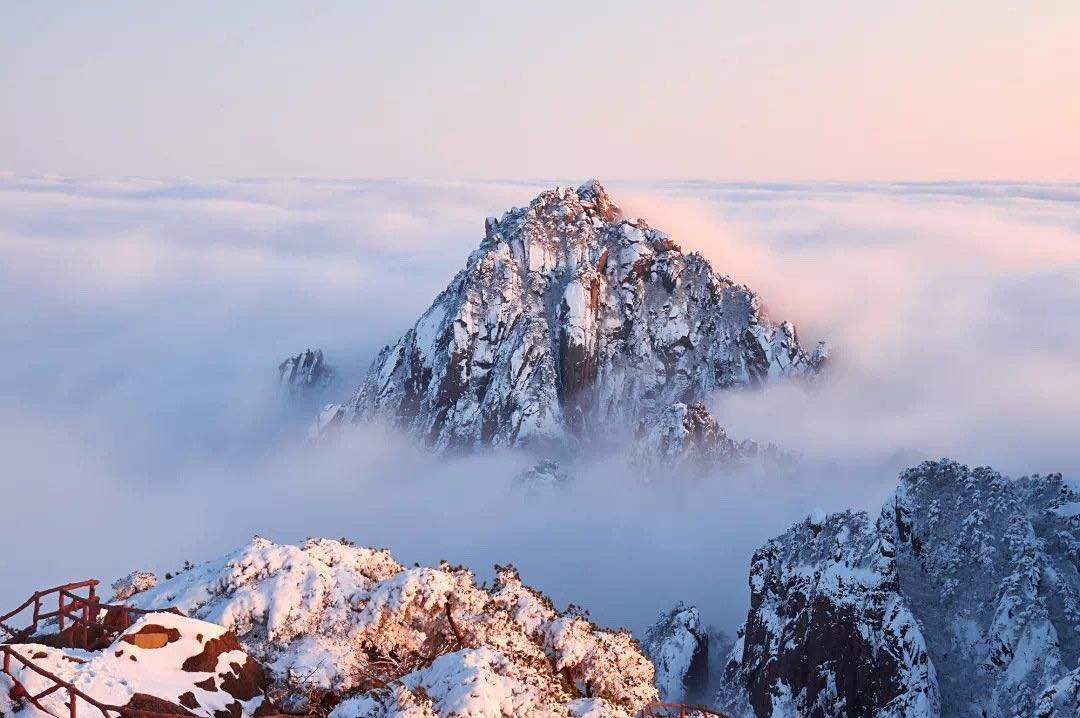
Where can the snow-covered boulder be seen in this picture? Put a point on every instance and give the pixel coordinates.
(134, 582)
(571, 321)
(163, 663)
(961, 599)
(332, 620)
(679, 649)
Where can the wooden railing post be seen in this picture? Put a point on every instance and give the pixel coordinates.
(60, 615)
(37, 613)
(71, 695)
(7, 661)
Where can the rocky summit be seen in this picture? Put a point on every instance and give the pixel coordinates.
(961, 599)
(569, 322)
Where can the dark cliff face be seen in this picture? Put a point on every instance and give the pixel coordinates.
(678, 646)
(305, 372)
(961, 599)
(827, 634)
(569, 320)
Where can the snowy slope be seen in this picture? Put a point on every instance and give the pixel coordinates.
(331, 619)
(962, 600)
(570, 321)
(163, 662)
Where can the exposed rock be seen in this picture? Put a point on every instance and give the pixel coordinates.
(546, 474)
(568, 322)
(962, 599)
(679, 648)
(151, 636)
(304, 373)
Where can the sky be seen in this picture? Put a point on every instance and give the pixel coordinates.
(143, 321)
(778, 90)
(190, 192)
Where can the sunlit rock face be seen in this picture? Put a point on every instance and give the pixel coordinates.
(961, 599)
(347, 627)
(568, 322)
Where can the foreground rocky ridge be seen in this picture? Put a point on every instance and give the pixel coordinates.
(961, 599)
(570, 321)
(346, 626)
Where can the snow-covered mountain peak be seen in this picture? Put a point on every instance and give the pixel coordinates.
(568, 323)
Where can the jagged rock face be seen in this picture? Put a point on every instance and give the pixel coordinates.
(330, 619)
(568, 320)
(989, 565)
(828, 633)
(679, 648)
(305, 372)
(687, 437)
(961, 600)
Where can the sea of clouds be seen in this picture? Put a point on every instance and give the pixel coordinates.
(143, 320)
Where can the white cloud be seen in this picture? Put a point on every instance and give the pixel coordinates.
(143, 320)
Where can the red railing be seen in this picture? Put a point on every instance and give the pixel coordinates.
(80, 624)
(657, 710)
(80, 621)
(20, 692)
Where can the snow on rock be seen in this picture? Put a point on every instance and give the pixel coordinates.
(546, 474)
(568, 320)
(686, 436)
(305, 372)
(163, 663)
(828, 633)
(134, 582)
(961, 599)
(679, 648)
(332, 620)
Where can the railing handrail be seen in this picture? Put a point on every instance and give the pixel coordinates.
(683, 709)
(59, 683)
(69, 607)
(35, 600)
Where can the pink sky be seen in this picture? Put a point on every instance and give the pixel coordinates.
(843, 90)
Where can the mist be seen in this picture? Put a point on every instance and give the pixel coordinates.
(143, 321)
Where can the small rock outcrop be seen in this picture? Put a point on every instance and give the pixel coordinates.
(545, 474)
(679, 648)
(135, 582)
(305, 373)
(961, 599)
(571, 321)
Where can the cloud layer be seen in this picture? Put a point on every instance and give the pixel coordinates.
(144, 320)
